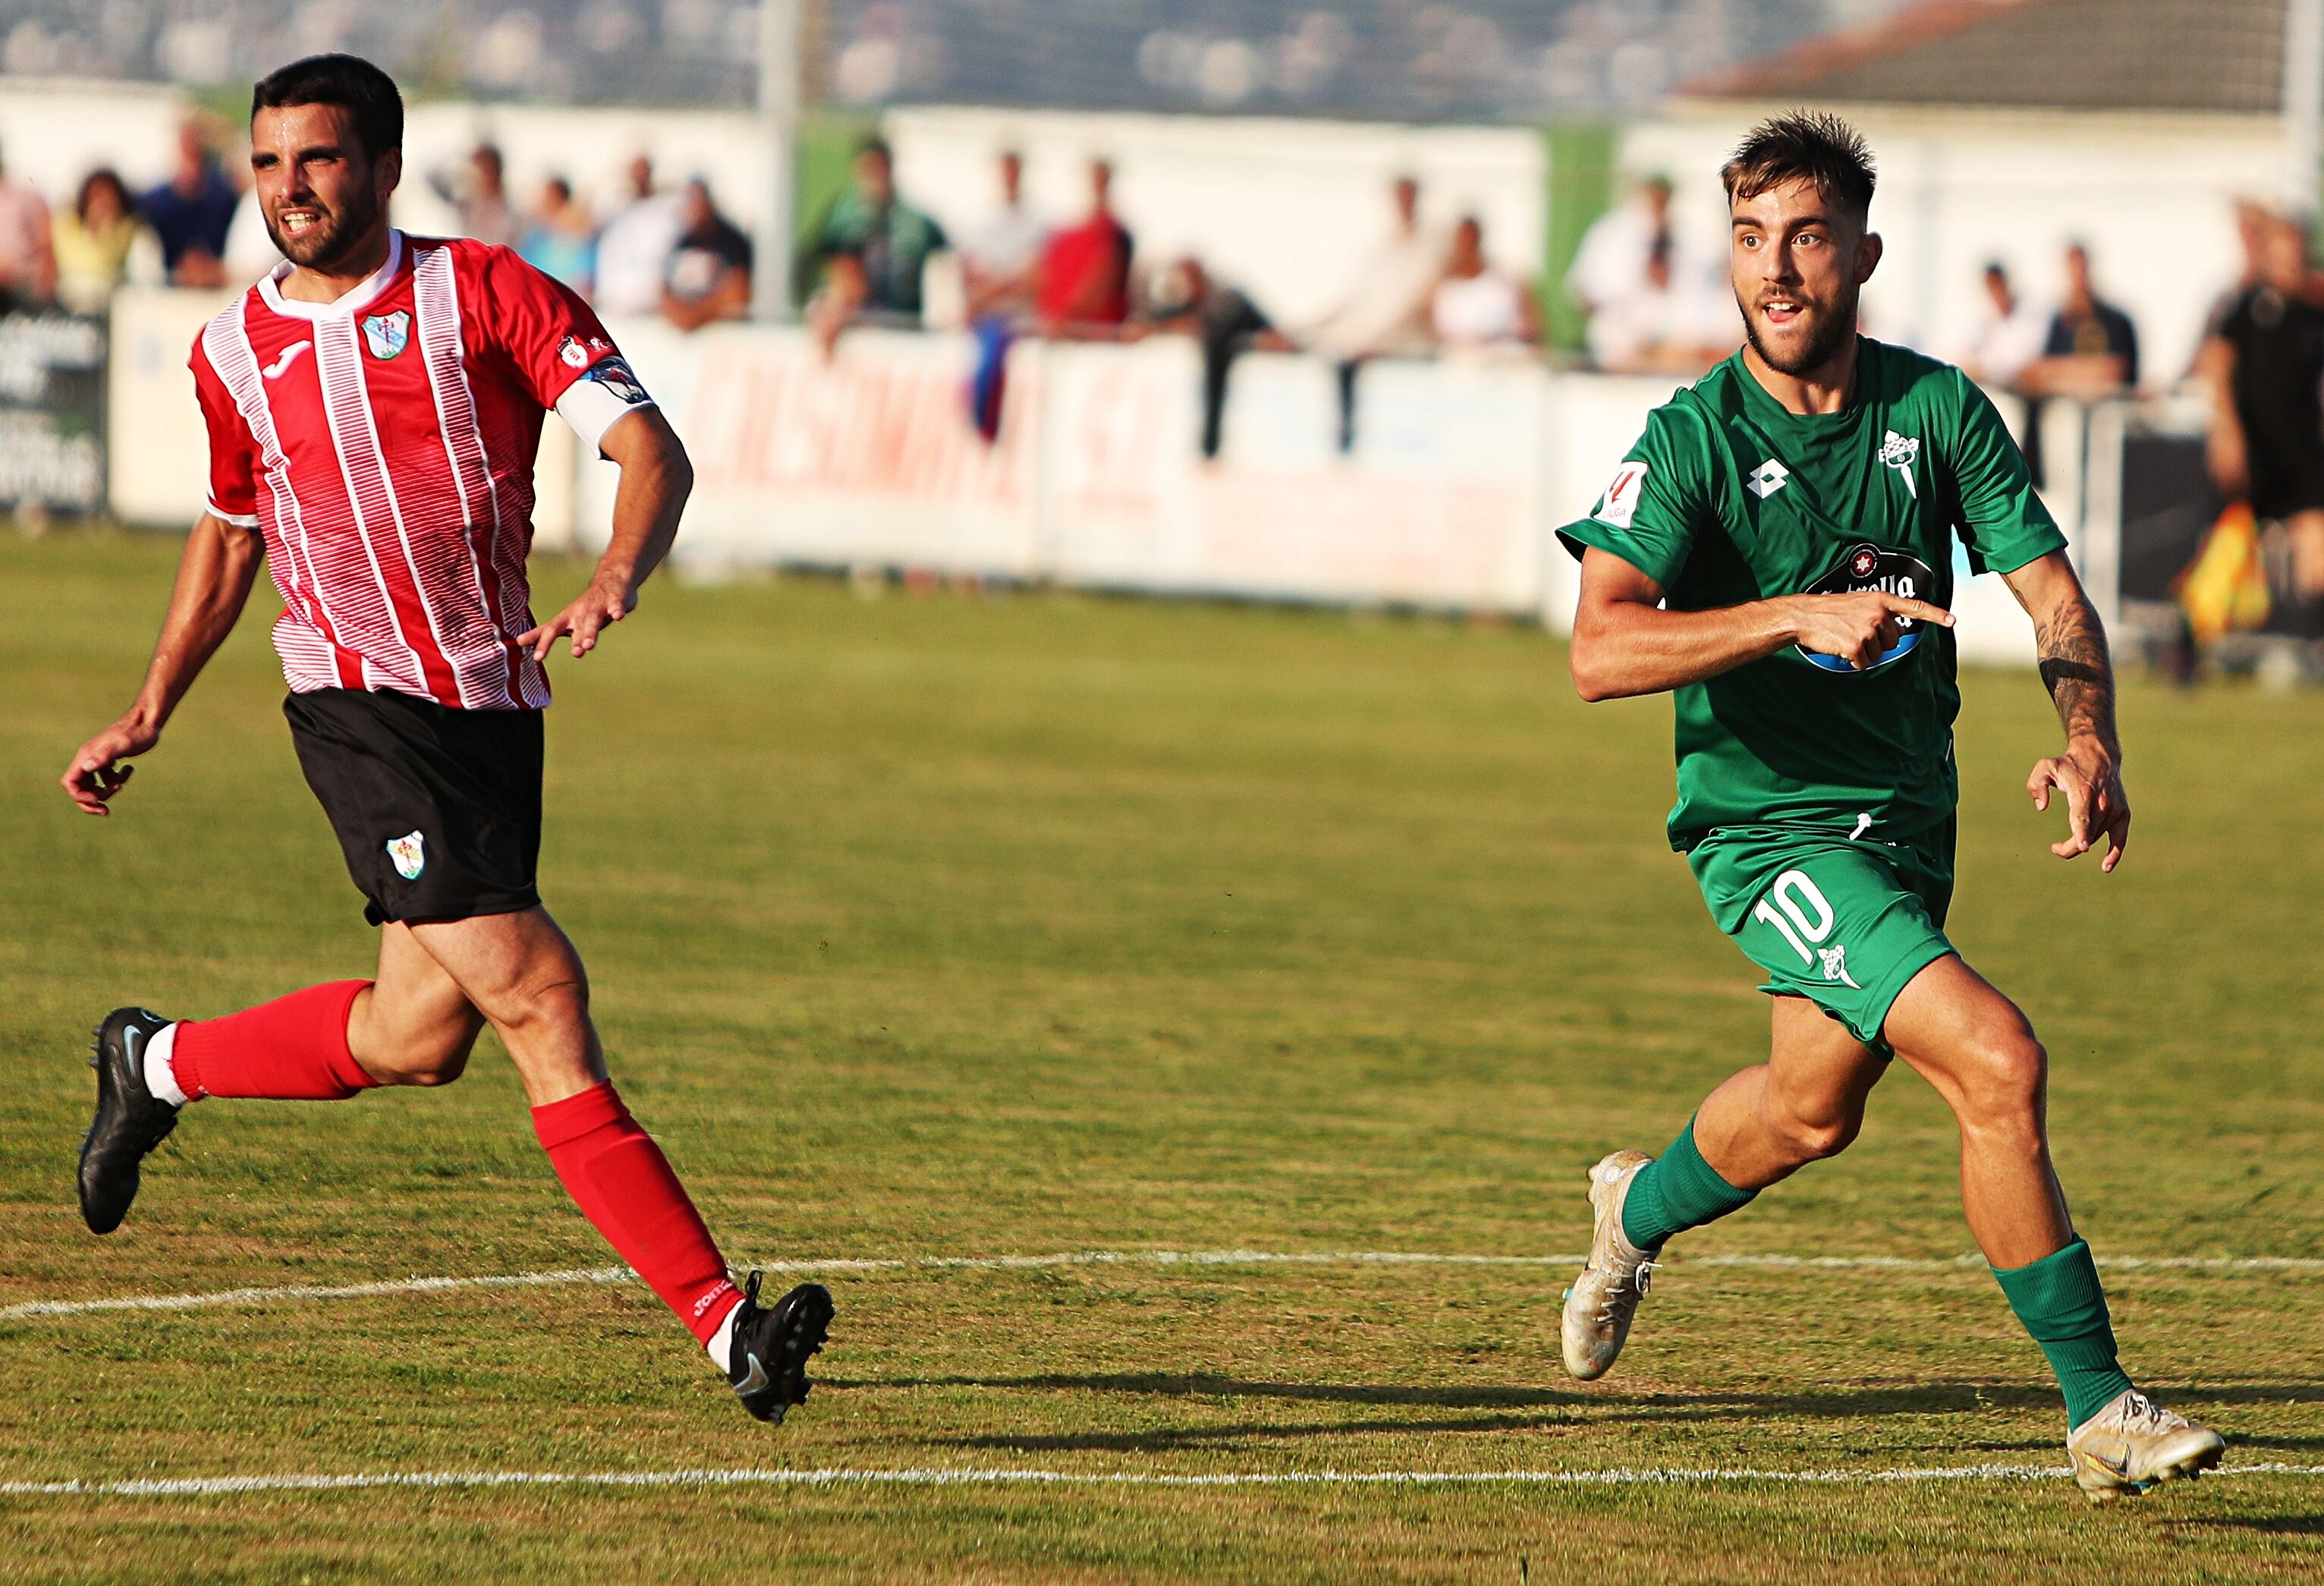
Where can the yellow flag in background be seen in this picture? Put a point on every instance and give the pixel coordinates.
(2225, 588)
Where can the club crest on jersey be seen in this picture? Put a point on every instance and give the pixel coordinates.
(386, 335)
(410, 854)
(1902, 452)
(1893, 572)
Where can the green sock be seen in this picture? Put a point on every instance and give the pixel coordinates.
(1676, 1191)
(2059, 1300)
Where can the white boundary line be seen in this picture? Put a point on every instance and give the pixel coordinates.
(34, 1309)
(228, 1486)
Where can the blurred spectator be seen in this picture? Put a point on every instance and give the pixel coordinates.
(1385, 313)
(192, 212)
(2265, 364)
(2092, 348)
(1610, 267)
(634, 251)
(250, 250)
(1190, 302)
(709, 272)
(2008, 334)
(96, 240)
(1086, 270)
(889, 238)
(1667, 325)
(560, 241)
(478, 194)
(1476, 308)
(1001, 257)
(28, 260)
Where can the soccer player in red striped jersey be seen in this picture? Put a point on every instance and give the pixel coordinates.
(373, 407)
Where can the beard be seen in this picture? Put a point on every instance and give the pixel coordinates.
(337, 234)
(1828, 331)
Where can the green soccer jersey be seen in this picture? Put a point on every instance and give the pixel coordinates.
(1730, 498)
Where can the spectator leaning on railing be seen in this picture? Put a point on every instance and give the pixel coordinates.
(633, 250)
(1476, 309)
(28, 260)
(1084, 288)
(101, 244)
(1385, 311)
(192, 212)
(1190, 301)
(558, 240)
(2092, 348)
(891, 239)
(708, 277)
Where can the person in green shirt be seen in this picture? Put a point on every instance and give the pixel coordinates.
(1775, 552)
(888, 240)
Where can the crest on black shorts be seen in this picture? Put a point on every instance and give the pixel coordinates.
(1868, 567)
(408, 853)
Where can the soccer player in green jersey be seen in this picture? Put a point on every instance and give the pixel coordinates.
(1775, 552)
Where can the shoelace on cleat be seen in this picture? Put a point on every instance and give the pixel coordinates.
(1641, 1279)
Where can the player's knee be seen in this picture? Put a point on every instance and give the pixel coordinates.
(2007, 1077)
(1816, 1134)
(555, 995)
(436, 1059)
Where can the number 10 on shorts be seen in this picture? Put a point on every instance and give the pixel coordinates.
(1798, 909)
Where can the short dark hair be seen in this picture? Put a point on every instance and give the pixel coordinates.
(1813, 146)
(363, 90)
(876, 146)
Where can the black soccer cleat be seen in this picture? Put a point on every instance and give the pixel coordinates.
(771, 1347)
(130, 1120)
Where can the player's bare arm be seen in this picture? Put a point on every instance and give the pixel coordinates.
(214, 578)
(1624, 643)
(656, 479)
(2078, 673)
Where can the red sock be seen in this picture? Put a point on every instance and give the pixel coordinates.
(293, 1049)
(624, 1184)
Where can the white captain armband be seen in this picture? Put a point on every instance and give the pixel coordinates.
(607, 390)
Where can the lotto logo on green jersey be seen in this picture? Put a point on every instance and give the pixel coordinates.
(1893, 572)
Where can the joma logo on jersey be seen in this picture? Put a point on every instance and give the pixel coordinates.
(1892, 572)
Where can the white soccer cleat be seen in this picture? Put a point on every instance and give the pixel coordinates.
(1603, 1299)
(2134, 1443)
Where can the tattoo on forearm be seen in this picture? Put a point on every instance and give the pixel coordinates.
(2077, 670)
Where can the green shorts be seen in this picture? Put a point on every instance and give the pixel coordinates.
(1846, 923)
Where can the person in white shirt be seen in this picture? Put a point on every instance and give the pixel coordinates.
(634, 251)
(1477, 308)
(1385, 314)
(1001, 257)
(1671, 324)
(2008, 335)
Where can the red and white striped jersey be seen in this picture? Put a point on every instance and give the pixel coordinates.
(385, 443)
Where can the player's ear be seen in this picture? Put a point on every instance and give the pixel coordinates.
(389, 172)
(1867, 257)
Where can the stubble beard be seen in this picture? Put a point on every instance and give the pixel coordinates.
(331, 242)
(1829, 331)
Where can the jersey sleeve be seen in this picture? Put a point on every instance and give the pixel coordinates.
(553, 346)
(232, 494)
(1648, 512)
(2003, 523)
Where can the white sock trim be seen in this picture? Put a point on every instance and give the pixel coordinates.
(722, 1343)
(160, 1077)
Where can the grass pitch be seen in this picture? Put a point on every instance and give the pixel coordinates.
(946, 927)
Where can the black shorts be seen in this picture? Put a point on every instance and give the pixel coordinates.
(2285, 481)
(438, 810)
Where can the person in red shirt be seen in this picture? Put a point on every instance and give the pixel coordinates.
(373, 408)
(1084, 274)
